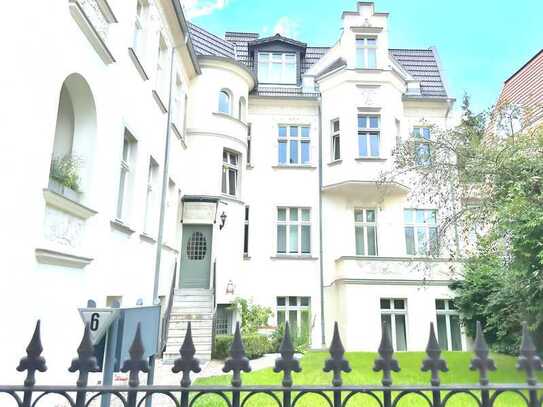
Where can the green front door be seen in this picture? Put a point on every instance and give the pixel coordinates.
(196, 256)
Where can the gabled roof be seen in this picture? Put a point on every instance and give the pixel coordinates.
(278, 37)
(423, 66)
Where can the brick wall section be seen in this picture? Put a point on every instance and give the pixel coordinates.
(525, 89)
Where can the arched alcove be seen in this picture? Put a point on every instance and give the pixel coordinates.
(242, 109)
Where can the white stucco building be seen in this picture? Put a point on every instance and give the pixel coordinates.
(274, 152)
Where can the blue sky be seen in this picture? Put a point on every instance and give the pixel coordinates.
(480, 42)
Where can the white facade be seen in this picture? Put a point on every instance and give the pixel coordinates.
(91, 80)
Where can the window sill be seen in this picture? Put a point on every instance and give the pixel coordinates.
(294, 167)
(397, 258)
(159, 101)
(376, 159)
(137, 63)
(148, 238)
(229, 116)
(58, 258)
(335, 162)
(178, 134)
(293, 257)
(246, 257)
(122, 227)
(67, 205)
(170, 246)
(90, 32)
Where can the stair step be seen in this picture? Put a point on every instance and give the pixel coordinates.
(188, 308)
(181, 326)
(168, 358)
(191, 317)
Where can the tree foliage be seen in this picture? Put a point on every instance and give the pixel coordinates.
(486, 178)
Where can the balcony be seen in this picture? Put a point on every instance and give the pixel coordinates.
(396, 270)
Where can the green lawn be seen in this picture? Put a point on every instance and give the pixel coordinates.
(362, 373)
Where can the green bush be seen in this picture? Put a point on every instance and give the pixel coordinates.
(255, 346)
(65, 170)
(299, 341)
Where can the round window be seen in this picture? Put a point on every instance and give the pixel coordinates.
(196, 246)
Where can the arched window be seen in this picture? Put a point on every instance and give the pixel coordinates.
(225, 105)
(73, 146)
(242, 109)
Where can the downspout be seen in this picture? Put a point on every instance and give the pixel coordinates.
(321, 261)
(165, 176)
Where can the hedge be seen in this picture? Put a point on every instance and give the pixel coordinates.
(255, 346)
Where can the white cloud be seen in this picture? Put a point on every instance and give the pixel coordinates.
(197, 8)
(287, 27)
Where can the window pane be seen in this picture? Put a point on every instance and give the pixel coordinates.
(281, 239)
(305, 322)
(304, 301)
(401, 341)
(374, 144)
(223, 189)
(432, 217)
(386, 323)
(306, 215)
(305, 152)
(290, 73)
(359, 237)
(224, 102)
(281, 214)
(362, 144)
(410, 240)
(293, 323)
(280, 318)
(293, 214)
(281, 301)
(282, 132)
(275, 73)
(399, 304)
(452, 305)
(292, 301)
(372, 58)
(305, 132)
(408, 216)
(456, 337)
(306, 239)
(372, 241)
(440, 304)
(442, 332)
(433, 241)
(120, 199)
(293, 239)
(374, 122)
(360, 60)
(293, 152)
(422, 243)
(233, 159)
(385, 303)
(232, 175)
(420, 216)
(359, 215)
(426, 133)
(246, 239)
(371, 41)
(362, 120)
(282, 152)
(336, 148)
(416, 132)
(370, 215)
(335, 125)
(294, 131)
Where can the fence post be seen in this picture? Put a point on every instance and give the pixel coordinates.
(387, 364)
(482, 363)
(337, 364)
(186, 363)
(287, 364)
(85, 362)
(32, 362)
(135, 364)
(530, 362)
(236, 363)
(434, 364)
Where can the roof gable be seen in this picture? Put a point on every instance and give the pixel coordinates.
(278, 38)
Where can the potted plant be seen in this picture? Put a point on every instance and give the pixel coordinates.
(64, 176)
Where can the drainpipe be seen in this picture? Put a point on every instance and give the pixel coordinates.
(165, 176)
(321, 261)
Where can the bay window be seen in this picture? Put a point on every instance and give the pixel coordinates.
(275, 67)
(294, 231)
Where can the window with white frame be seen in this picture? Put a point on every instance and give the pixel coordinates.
(162, 68)
(293, 145)
(448, 325)
(223, 319)
(246, 232)
(276, 67)
(394, 319)
(177, 107)
(230, 171)
(225, 102)
(366, 52)
(336, 141)
(369, 135)
(422, 137)
(420, 232)
(125, 177)
(142, 13)
(294, 231)
(150, 197)
(297, 312)
(365, 232)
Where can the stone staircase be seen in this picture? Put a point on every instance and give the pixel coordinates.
(194, 305)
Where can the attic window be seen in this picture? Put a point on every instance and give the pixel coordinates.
(366, 50)
(275, 67)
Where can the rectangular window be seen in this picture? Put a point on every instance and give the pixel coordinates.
(369, 135)
(151, 198)
(125, 181)
(223, 320)
(274, 67)
(162, 68)
(365, 232)
(246, 233)
(294, 231)
(249, 145)
(142, 12)
(293, 145)
(297, 311)
(230, 170)
(420, 227)
(336, 144)
(448, 325)
(394, 319)
(422, 137)
(366, 52)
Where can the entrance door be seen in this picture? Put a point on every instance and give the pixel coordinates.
(196, 256)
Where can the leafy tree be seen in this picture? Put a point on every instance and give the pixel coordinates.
(487, 180)
(253, 316)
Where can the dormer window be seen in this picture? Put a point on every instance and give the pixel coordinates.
(275, 67)
(366, 52)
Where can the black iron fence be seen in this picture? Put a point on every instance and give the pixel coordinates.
(287, 394)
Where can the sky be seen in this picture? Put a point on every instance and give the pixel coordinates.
(480, 42)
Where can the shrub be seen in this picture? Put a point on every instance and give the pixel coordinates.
(299, 341)
(253, 316)
(65, 170)
(255, 346)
